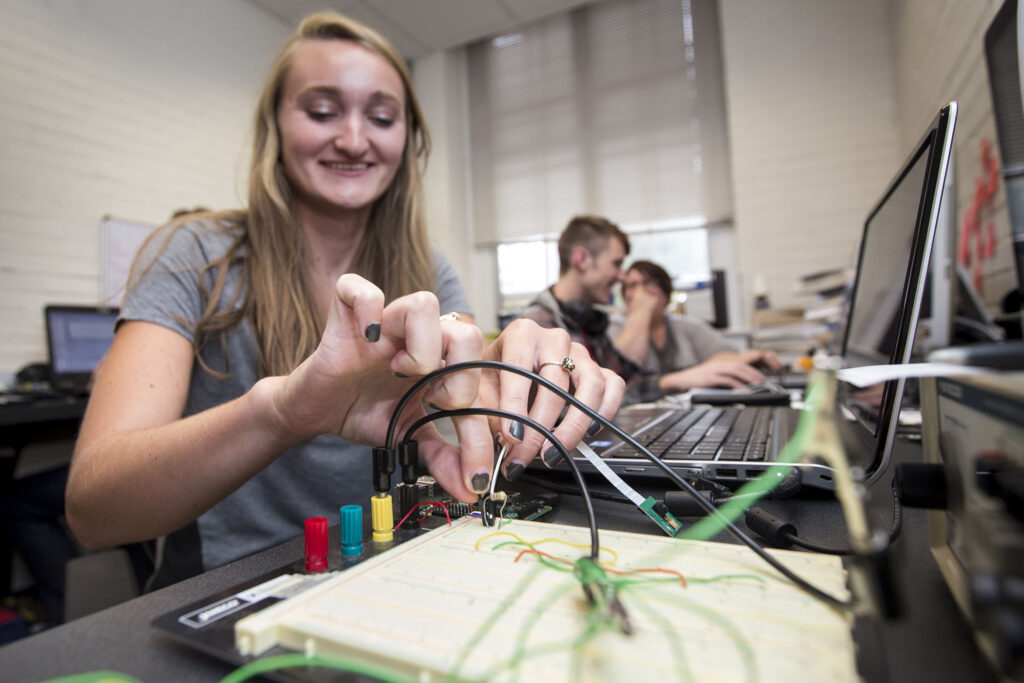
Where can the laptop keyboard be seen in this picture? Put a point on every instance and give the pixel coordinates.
(707, 433)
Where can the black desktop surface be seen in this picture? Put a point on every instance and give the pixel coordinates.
(22, 411)
(931, 642)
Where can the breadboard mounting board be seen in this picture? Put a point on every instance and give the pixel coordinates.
(438, 607)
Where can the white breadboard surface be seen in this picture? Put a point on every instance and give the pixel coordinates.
(455, 604)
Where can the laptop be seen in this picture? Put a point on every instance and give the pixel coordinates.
(730, 444)
(78, 337)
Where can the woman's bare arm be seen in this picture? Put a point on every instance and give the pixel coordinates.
(139, 470)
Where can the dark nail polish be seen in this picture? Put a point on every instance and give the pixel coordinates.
(595, 427)
(517, 430)
(480, 481)
(373, 332)
(551, 456)
(513, 470)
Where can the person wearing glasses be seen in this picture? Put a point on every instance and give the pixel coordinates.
(684, 352)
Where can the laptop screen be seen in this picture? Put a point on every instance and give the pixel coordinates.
(891, 272)
(78, 337)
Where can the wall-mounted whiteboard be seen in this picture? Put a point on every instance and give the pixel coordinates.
(121, 239)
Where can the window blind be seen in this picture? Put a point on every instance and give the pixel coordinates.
(616, 108)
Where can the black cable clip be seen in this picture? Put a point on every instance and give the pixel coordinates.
(383, 468)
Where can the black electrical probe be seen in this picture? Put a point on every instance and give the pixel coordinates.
(492, 412)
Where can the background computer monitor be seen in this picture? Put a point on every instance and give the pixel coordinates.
(952, 311)
(1006, 76)
(78, 337)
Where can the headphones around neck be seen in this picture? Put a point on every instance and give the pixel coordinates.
(591, 320)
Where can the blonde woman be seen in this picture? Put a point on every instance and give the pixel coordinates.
(259, 351)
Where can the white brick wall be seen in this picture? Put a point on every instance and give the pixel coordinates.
(812, 126)
(825, 99)
(940, 57)
(132, 109)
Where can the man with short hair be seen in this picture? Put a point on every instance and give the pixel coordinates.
(591, 251)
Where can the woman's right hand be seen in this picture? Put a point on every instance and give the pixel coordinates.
(368, 357)
(141, 470)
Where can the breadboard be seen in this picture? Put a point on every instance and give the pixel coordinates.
(440, 607)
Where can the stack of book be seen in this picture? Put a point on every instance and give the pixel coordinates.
(827, 290)
(799, 330)
(790, 336)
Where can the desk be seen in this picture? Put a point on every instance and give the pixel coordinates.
(931, 643)
(46, 419)
(26, 422)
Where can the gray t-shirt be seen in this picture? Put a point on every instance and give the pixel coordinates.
(311, 479)
(690, 341)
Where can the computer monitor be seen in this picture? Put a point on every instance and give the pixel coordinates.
(1006, 76)
(78, 338)
(952, 311)
(892, 264)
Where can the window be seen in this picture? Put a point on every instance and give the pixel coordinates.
(616, 109)
(525, 268)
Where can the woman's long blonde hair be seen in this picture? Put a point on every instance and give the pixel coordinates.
(394, 252)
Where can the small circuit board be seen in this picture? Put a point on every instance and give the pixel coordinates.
(657, 511)
(514, 506)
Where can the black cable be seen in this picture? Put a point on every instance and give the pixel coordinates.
(570, 491)
(793, 539)
(595, 546)
(613, 496)
(894, 531)
(736, 532)
(485, 365)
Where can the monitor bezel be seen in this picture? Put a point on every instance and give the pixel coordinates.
(937, 143)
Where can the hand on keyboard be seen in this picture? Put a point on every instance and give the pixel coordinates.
(728, 372)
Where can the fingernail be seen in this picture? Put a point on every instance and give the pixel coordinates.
(480, 481)
(551, 456)
(517, 431)
(513, 470)
(373, 332)
(400, 375)
(595, 427)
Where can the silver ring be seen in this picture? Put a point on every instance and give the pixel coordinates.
(567, 364)
(451, 316)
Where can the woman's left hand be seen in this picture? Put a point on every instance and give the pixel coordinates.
(527, 345)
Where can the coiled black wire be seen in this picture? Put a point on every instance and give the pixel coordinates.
(587, 502)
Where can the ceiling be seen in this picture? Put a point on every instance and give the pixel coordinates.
(421, 27)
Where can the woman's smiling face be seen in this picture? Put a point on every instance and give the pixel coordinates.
(341, 117)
